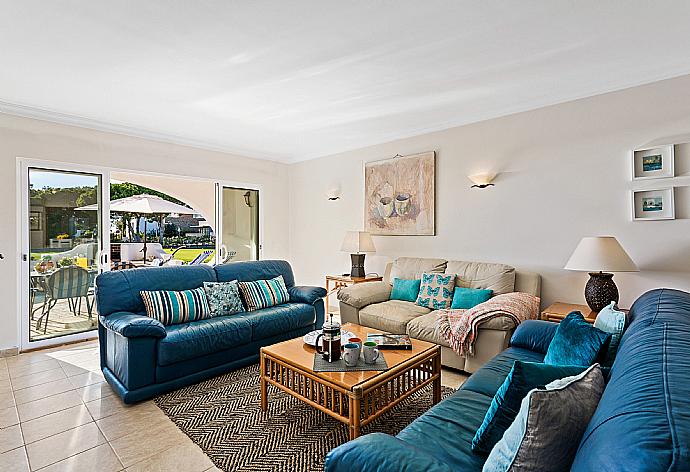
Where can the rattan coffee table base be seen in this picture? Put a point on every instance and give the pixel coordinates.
(363, 402)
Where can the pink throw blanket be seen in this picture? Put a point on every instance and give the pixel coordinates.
(459, 327)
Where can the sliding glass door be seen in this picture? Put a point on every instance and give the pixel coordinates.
(237, 224)
(65, 233)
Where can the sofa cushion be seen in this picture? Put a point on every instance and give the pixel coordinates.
(466, 298)
(487, 275)
(447, 430)
(391, 316)
(200, 338)
(264, 293)
(170, 307)
(436, 291)
(414, 267)
(576, 342)
(405, 290)
(523, 377)
(223, 298)
(119, 290)
(425, 328)
(279, 319)
(549, 425)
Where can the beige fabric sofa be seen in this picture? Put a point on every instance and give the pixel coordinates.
(368, 304)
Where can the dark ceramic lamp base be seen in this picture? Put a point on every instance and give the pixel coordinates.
(357, 265)
(600, 290)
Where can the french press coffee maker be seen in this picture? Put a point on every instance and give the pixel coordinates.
(330, 339)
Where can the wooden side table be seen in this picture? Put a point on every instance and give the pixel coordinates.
(558, 311)
(345, 281)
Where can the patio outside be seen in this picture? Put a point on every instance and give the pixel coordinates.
(65, 240)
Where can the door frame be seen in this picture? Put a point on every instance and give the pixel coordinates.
(24, 242)
(220, 184)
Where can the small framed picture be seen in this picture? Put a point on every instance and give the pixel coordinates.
(653, 204)
(653, 163)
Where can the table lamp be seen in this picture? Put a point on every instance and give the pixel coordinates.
(597, 255)
(357, 243)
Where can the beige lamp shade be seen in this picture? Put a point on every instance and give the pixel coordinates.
(356, 242)
(600, 254)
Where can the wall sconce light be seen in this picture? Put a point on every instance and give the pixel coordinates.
(333, 194)
(482, 180)
(247, 196)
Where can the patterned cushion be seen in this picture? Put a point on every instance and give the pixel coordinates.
(264, 293)
(612, 321)
(171, 307)
(436, 291)
(223, 298)
(549, 426)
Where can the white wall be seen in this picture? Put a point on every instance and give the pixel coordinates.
(564, 174)
(22, 137)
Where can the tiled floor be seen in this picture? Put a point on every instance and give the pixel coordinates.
(58, 414)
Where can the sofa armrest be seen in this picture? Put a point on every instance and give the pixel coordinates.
(361, 295)
(130, 325)
(304, 294)
(379, 452)
(535, 335)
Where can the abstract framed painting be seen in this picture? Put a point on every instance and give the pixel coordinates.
(400, 195)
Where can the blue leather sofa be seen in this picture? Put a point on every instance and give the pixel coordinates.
(141, 358)
(642, 422)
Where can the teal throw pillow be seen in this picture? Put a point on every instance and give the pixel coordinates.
(405, 290)
(523, 377)
(436, 291)
(466, 298)
(549, 426)
(611, 321)
(576, 342)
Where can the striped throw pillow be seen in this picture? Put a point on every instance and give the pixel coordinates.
(264, 293)
(171, 307)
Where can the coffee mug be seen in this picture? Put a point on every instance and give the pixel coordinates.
(351, 354)
(356, 341)
(370, 352)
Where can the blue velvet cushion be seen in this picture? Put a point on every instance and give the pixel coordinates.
(466, 298)
(523, 377)
(611, 321)
(405, 290)
(576, 342)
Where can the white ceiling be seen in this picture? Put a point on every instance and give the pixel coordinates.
(293, 80)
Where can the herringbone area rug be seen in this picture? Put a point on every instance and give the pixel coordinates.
(223, 416)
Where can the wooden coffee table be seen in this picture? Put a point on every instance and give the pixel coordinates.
(354, 398)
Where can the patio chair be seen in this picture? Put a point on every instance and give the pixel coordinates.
(198, 260)
(67, 283)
